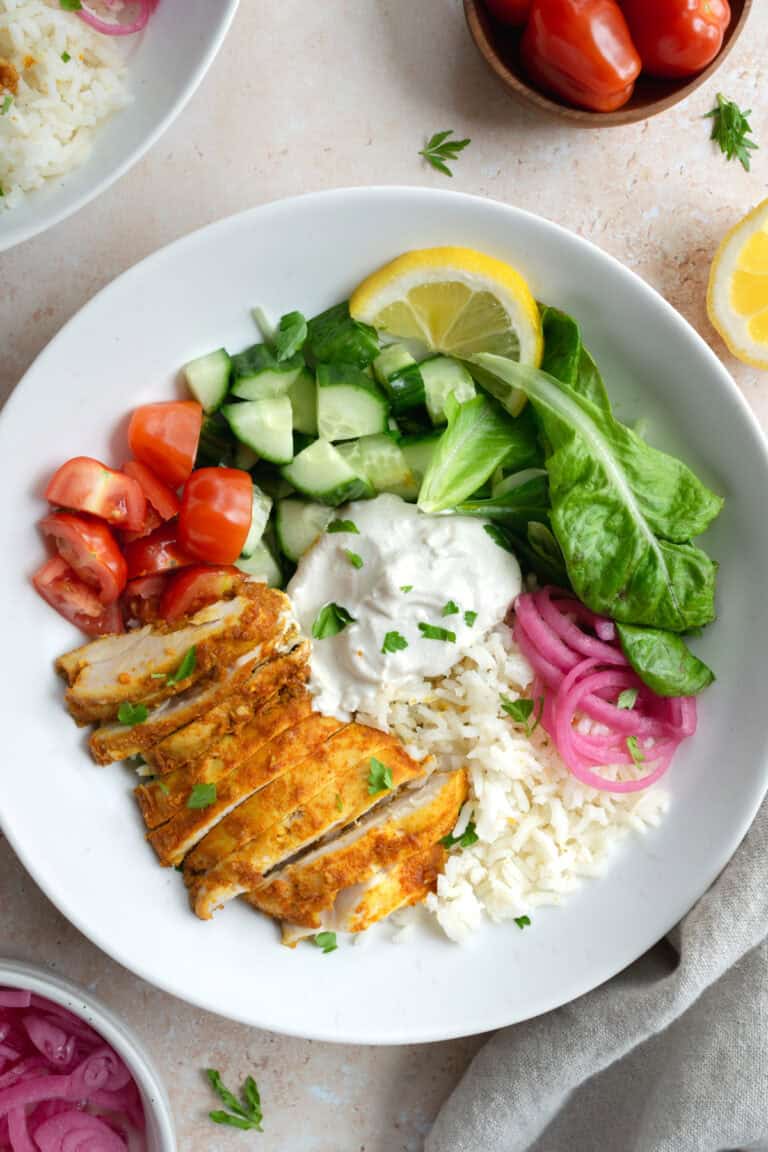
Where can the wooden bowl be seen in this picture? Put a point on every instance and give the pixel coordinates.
(500, 48)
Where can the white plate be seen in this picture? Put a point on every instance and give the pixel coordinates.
(167, 62)
(75, 826)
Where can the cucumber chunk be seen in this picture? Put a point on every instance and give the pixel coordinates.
(406, 389)
(303, 397)
(390, 361)
(322, 473)
(244, 458)
(265, 426)
(419, 450)
(443, 376)
(208, 378)
(335, 338)
(262, 506)
(381, 460)
(349, 403)
(257, 374)
(262, 564)
(298, 524)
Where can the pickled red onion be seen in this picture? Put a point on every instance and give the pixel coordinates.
(580, 670)
(114, 27)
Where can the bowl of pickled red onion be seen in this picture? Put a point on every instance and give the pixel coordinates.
(73, 1078)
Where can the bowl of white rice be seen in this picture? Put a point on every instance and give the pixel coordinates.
(78, 108)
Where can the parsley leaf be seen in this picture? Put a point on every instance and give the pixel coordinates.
(290, 335)
(158, 780)
(521, 711)
(186, 668)
(339, 802)
(432, 632)
(326, 941)
(343, 526)
(245, 1113)
(379, 777)
(6, 104)
(439, 149)
(523, 921)
(635, 751)
(330, 620)
(468, 837)
(469, 618)
(450, 609)
(406, 587)
(70, 5)
(65, 56)
(130, 714)
(731, 131)
(627, 698)
(394, 642)
(355, 560)
(202, 796)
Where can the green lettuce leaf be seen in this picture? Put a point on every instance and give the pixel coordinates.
(566, 358)
(515, 506)
(663, 661)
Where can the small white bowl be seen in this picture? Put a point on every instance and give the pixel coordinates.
(161, 1136)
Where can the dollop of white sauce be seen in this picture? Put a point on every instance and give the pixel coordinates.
(442, 560)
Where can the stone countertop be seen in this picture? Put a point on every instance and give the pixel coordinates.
(304, 97)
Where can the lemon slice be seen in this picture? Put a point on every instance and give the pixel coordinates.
(737, 296)
(456, 301)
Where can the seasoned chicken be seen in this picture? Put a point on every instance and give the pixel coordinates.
(136, 666)
(341, 877)
(290, 815)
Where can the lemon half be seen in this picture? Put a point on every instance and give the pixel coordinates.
(456, 301)
(737, 296)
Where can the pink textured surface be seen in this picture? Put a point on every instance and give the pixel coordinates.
(342, 94)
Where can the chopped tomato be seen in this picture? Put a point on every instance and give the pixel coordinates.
(513, 12)
(142, 597)
(165, 437)
(216, 508)
(162, 498)
(677, 37)
(192, 589)
(581, 51)
(158, 552)
(152, 520)
(86, 485)
(90, 550)
(58, 584)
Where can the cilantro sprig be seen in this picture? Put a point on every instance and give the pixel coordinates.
(330, 620)
(185, 668)
(440, 148)
(244, 1113)
(202, 796)
(379, 777)
(326, 941)
(731, 131)
(130, 714)
(522, 710)
(433, 632)
(343, 526)
(394, 642)
(523, 921)
(468, 837)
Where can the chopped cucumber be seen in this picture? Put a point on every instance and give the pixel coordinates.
(298, 524)
(335, 338)
(303, 397)
(262, 565)
(419, 450)
(216, 445)
(349, 403)
(322, 473)
(442, 377)
(244, 457)
(265, 426)
(208, 378)
(262, 506)
(390, 361)
(271, 481)
(257, 374)
(406, 389)
(381, 460)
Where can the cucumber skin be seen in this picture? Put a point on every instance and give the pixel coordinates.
(350, 488)
(335, 338)
(406, 390)
(233, 412)
(331, 378)
(203, 396)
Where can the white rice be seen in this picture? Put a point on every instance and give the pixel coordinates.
(48, 129)
(540, 831)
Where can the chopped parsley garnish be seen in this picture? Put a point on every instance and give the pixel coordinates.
(450, 609)
(379, 777)
(339, 802)
(186, 668)
(330, 620)
(469, 618)
(355, 560)
(160, 783)
(521, 711)
(244, 1113)
(70, 5)
(466, 840)
(202, 796)
(439, 149)
(523, 921)
(290, 335)
(6, 104)
(394, 642)
(65, 56)
(406, 587)
(343, 526)
(326, 941)
(433, 632)
(130, 714)
(2, 190)
(731, 131)
(635, 750)
(627, 698)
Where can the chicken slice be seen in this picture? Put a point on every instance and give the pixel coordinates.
(269, 833)
(305, 893)
(135, 666)
(285, 712)
(116, 741)
(200, 738)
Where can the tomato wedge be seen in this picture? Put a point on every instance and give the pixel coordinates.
(158, 552)
(216, 509)
(58, 584)
(86, 485)
(91, 551)
(152, 520)
(162, 498)
(165, 437)
(193, 588)
(141, 599)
